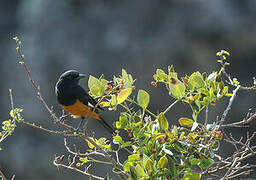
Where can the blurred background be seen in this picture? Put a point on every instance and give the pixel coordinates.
(102, 37)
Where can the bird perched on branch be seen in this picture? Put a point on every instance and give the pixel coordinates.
(75, 100)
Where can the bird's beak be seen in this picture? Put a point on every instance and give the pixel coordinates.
(82, 76)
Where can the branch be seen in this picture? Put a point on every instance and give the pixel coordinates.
(55, 162)
(250, 117)
(169, 107)
(57, 121)
(225, 113)
(2, 175)
(231, 167)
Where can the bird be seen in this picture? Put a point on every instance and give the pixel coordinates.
(75, 100)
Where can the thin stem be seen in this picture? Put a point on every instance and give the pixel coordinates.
(2, 175)
(126, 108)
(134, 102)
(57, 120)
(231, 100)
(99, 161)
(206, 116)
(169, 107)
(117, 157)
(75, 169)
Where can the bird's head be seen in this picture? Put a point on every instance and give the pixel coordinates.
(71, 76)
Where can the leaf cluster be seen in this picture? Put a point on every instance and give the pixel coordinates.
(161, 150)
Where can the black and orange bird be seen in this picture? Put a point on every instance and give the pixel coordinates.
(74, 99)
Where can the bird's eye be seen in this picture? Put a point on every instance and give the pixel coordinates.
(75, 76)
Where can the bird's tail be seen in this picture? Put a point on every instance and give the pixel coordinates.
(106, 126)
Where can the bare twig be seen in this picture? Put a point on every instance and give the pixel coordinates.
(206, 116)
(80, 154)
(252, 116)
(55, 162)
(58, 122)
(252, 88)
(231, 167)
(169, 107)
(225, 113)
(64, 133)
(2, 175)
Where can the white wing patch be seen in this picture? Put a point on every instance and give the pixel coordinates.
(89, 104)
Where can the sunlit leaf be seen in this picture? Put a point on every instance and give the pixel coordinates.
(163, 121)
(176, 88)
(149, 166)
(127, 165)
(162, 76)
(206, 163)
(84, 160)
(113, 100)
(124, 74)
(212, 76)
(134, 157)
(196, 80)
(143, 98)
(123, 95)
(192, 176)
(95, 87)
(162, 162)
(118, 140)
(186, 122)
(91, 146)
(104, 104)
(126, 144)
(139, 171)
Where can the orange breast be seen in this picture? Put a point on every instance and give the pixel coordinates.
(78, 109)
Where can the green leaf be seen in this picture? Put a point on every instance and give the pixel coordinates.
(126, 144)
(125, 75)
(196, 80)
(118, 140)
(130, 78)
(143, 98)
(134, 157)
(236, 81)
(84, 160)
(95, 86)
(161, 76)
(139, 171)
(186, 122)
(123, 121)
(123, 95)
(149, 166)
(132, 173)
(194, 161)
(163, 122)
(90, 145)
(113, 100)
(192, 176)
(176, 88)
(104, 104)
(206, 163)
(127, 165)
(118, 125)
(212, 76)
(175, 130)
(172, 167)
(162, 162)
